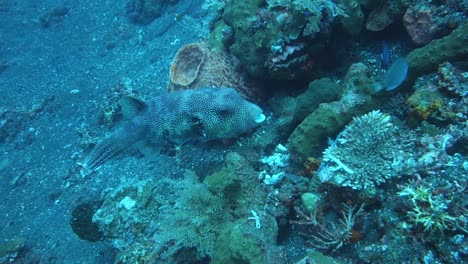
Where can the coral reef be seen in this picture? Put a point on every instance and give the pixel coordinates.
(354, 19)
(442, 97)
(329, 118)
(452, 47)
(270, 40)
(365, 154)
(189, 219)
(427, 21)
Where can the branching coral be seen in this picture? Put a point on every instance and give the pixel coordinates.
(428, 210)
(330, 236)
(365, 154)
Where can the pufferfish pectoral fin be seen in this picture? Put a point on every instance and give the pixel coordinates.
(132, 106)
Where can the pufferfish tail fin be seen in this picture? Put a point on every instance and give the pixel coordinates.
(118, 142)
(121, 140)
(102, 153)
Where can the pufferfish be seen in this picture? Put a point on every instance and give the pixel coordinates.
(178, 117)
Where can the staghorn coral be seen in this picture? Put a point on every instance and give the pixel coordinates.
(428, 210)
(365, 154)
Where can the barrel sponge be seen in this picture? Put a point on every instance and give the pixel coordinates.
(195, 65)
(186, 64)
(453, 47)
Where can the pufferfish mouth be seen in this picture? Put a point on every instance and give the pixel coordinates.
(260, 118)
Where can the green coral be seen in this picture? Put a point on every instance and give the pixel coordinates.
(330, 118)
(241, 242)
(259, 28)
(228, 180)
(316, 9)
(352, 22)
(453, 47)
(318, 91)
(428, 211)
(310, 202)
(239, 15)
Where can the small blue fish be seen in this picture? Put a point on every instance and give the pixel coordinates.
(307, 13)
(385, 56)
(395, 75)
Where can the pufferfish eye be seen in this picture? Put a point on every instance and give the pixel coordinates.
(224, 113)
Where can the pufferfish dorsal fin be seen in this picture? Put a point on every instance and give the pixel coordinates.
(132, 106)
